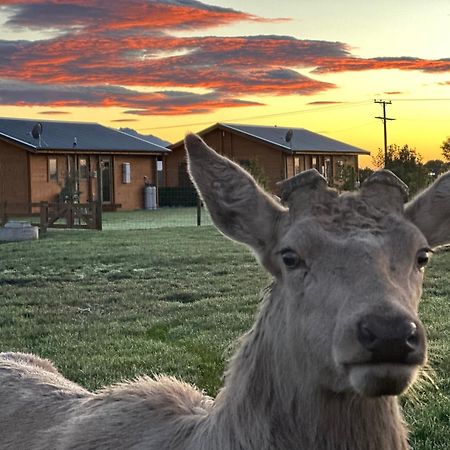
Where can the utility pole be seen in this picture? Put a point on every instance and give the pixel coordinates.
(384, 119)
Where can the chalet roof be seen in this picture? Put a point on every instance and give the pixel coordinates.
(303, 141)
(61, 136)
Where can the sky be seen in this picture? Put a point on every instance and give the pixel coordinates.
(165, 67)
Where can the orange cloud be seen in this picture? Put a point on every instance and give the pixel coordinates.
(401, 63)
(324, 102)
(53, 113)
(101, 46)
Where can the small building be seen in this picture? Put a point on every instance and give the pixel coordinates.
(38, 160)
(272, 153)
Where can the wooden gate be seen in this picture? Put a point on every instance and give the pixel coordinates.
(73, 215)
(54, 215)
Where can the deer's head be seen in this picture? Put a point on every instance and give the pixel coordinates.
(348, 268)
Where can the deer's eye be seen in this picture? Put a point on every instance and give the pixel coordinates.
(423, 256)
(290, 258)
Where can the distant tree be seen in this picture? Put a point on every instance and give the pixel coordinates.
(256, 171)
(365, 173)
(435, 167)
(406, 163)
(70, 192)
(147, 137)
(348, 178)
(445, 147)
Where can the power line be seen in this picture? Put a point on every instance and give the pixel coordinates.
(264, 116)
(384, 119)
(443, 99)
(301, 111)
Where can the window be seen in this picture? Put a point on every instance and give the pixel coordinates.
(245, 163)
(82, 168)
(52, 169)
(126, 173)
(297, 165)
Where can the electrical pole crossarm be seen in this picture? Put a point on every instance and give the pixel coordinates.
(384, 119)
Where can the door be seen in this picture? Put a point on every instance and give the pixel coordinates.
(106, 173)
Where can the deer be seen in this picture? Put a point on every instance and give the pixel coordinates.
(336, 340)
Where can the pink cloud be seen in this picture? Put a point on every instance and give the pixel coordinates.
(102, 46)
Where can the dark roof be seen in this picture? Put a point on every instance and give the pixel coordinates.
(303, 141)
(90, 137)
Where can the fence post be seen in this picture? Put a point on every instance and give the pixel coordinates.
(3, 215)
(95, 224)
(199, 210)
(44, 217)
(69, 215)
(98, 210)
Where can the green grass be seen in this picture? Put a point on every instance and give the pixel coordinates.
(140, 219)
(115, 304)
(148, 219)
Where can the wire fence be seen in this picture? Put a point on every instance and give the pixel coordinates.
(166, 216)
(174, 207)
(171, 207)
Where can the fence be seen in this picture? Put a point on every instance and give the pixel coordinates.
(177, 207)
(53, 215)
(47, 215)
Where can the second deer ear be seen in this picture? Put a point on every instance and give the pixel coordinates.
(238, 206)
(430, 211)
(385, 191)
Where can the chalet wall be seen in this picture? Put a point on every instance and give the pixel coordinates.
(270, 163)
(14, 184)
(173, 161)
(273, 164)
(131, 196)
(43, 189)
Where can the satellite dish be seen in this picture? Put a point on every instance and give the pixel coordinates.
(36, 132)
(289, 134)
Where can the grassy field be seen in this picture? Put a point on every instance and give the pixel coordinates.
(115, 304)
(159, 218)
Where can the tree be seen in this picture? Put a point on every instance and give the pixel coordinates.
(348, 178)
(435, 167)
(406, 163)
(256, 171)
(365, 173)
(445, 147)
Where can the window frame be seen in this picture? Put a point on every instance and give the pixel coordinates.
(81, 175)
(52, 173)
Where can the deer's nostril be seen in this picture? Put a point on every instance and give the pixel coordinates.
(390, 339)
(413, 339)
(366, 336)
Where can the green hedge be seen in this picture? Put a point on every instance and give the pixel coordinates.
(177, 196)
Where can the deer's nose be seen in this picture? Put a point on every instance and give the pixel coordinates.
(392, 339)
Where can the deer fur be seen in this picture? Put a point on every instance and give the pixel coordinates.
(323, 365)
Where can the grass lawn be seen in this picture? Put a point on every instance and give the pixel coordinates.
(115, 304)
(148, 219)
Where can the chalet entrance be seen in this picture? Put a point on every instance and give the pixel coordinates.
(106, 174)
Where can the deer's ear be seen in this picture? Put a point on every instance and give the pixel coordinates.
(430, 211)
(238, 206)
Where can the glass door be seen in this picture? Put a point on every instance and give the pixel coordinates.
(105, 167)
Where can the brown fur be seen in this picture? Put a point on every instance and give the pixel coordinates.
(299, 379)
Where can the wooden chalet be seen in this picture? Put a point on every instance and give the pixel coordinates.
(38, 159)
(276, 153)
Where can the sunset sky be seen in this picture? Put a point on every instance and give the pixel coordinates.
(164, 67)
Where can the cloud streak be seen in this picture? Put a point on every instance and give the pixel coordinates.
(143, 103)
(102, 53)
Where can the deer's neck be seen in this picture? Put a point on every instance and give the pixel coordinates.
(264, 406)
